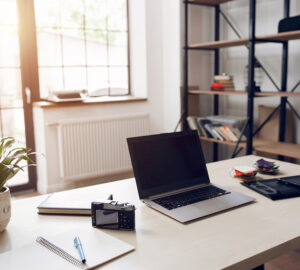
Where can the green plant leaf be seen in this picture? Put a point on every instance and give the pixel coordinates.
(14, 153)
(6, 172)
(5, 143)
(10, 156)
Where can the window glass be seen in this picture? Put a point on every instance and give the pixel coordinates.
(82, 44)
(11, 102)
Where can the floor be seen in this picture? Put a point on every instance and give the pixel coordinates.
(289, 261)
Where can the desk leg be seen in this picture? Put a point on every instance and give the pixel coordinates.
(260, 267)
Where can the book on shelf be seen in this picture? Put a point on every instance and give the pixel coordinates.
(228, 120)
(215, 129)
(202, 122)
(237, 133)
(226, 81)
(210, 129)
(223, 77)
(224, 133)
(193, 124)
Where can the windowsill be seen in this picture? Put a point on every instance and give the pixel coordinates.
(89, 101)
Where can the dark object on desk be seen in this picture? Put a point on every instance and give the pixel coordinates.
(292, 180)
(289, 24)
(266, 167)
(172, 177)
(113, 215)
(277, 188)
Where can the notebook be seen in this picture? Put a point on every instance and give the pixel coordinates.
(64, 203)
(98, 247)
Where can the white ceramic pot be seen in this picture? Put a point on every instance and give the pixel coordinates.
(4, 208)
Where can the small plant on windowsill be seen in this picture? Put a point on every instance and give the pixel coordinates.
(11, 158)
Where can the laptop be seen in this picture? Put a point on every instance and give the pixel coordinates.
(171, 177)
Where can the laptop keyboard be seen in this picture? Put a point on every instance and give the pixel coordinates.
(190, 197)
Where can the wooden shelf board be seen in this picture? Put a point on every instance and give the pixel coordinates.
(220, 44)
(244, 93)
(209, 2)
(210, 92)
(277, 148)
(270, 147)
(277, 94)
(242, 144)
(292, 35)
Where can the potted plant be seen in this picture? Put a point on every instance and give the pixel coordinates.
(11, 157)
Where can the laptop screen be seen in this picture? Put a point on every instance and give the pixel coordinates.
(167, 162)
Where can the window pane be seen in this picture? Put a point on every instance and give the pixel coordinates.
(77, 40)
(96, 47)
(8, 12)
(9, 46)
(71, 13)
(75, 78)
(117, 14)
(97, 81)
(95, 14)
(13, 125)
(10, 83)
(47, 13)
(73, 47)
(11, 103)
(51, 79)
(118, 49)
(118, 77)
(49, 47)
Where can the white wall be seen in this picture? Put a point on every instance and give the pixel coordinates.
(155, 74)
(163, 62)
(234, 60)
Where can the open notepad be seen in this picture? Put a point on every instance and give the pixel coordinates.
(98, 247)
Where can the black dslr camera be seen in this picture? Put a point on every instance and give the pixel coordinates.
(113, 215)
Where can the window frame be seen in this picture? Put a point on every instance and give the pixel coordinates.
(36, 92)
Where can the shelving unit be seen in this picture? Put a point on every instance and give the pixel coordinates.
(279, 148)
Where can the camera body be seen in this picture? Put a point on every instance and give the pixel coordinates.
(113, 215)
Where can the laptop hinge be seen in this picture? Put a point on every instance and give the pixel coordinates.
(177, 191)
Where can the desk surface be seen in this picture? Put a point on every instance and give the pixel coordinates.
(241, 238)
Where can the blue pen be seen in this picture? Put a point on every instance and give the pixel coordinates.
(78, 245)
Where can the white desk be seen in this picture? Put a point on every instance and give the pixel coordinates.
(242, 238)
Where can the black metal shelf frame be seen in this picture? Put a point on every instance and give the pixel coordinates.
(248, 128)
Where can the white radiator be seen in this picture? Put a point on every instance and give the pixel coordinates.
(94, 147)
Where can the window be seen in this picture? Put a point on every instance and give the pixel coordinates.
(11, 104)
(82, 44)
(49, 45)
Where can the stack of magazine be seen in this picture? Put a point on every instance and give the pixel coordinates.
(220, 127)
(226, 81)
